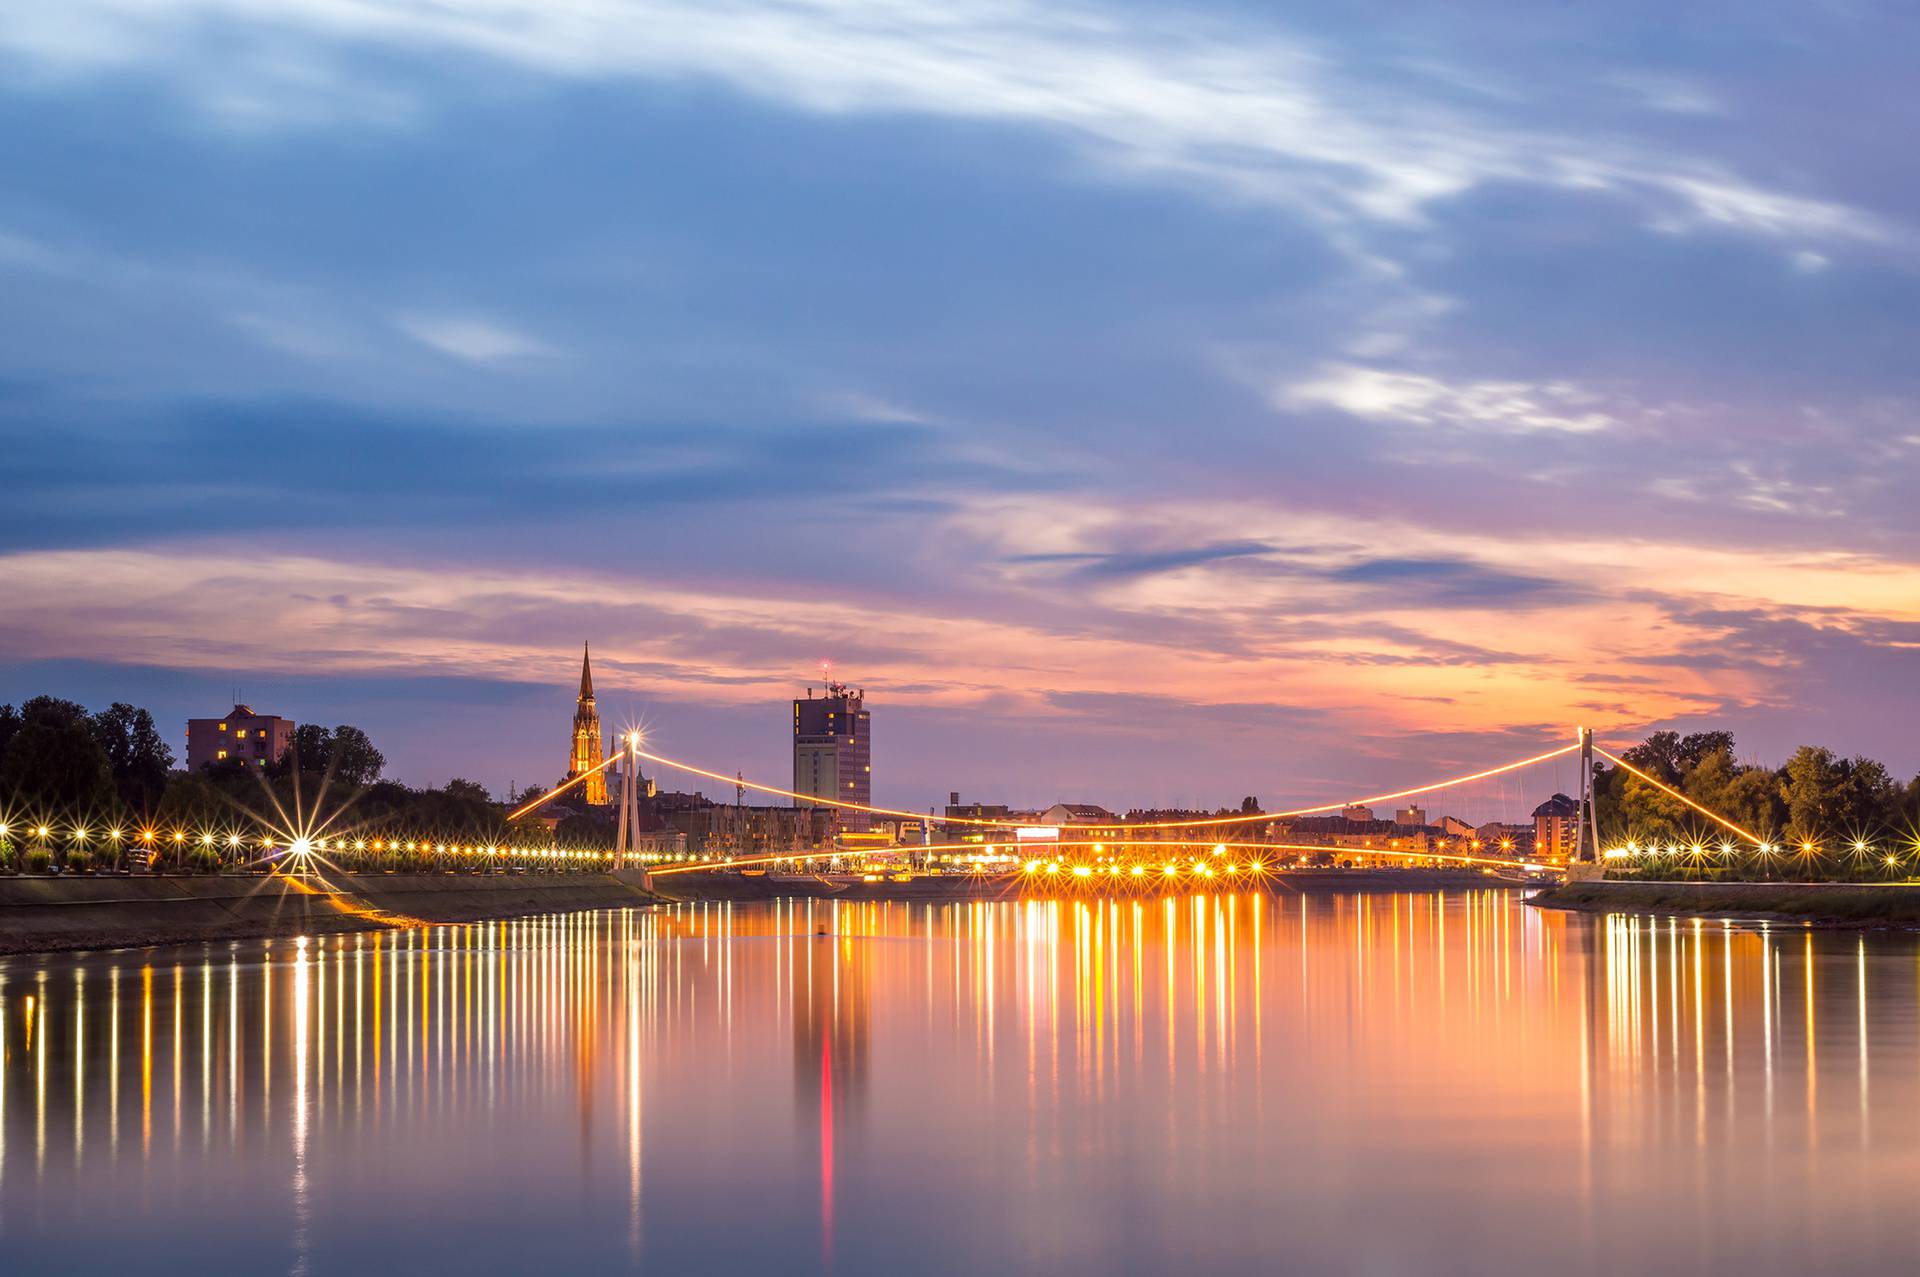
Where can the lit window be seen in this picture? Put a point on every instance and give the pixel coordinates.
(242, 733)
(223, 753)
(223, 727)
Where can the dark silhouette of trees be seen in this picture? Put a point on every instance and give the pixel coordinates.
(138, 759)
(343, 753)
(54, 767)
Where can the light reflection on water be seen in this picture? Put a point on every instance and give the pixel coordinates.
(1239, 1084)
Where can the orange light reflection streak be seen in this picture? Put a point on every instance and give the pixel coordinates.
(1037, 848)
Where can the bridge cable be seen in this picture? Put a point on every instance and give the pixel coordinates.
(1748, 834)
(1210, 821)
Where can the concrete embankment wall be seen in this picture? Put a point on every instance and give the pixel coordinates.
(1821, 903)
(39, 914)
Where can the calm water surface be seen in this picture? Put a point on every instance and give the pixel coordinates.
(1376, 1084)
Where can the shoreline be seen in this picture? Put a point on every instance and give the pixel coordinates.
(114, 911)
(1830, 905)
(53, 915)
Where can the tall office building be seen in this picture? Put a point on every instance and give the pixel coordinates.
(587, 750)
(833, 751)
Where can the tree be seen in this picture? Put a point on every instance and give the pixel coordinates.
(55, 767)
(344, 753)
(1670, 756)
(1649, 813)
(10, 723)
(467, 790)
(1909, 816)
(1811, 785)
(1870, 796)
(137, 757)
(310, 751)
(1657, 755)
(353, 758)
(191, 803)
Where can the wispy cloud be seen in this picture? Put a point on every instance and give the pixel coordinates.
(1244, 110)
(470, 337)
(1147, 562)
(1411, 398)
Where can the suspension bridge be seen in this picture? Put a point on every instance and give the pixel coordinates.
(1137, 852)
(1120, 853)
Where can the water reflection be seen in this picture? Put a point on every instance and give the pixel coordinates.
(1197, 1083)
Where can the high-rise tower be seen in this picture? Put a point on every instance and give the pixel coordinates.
(588, 750)
(833, 751)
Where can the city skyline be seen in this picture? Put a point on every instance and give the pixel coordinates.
(1297, 396)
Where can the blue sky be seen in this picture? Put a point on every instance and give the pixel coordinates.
(1174, 404)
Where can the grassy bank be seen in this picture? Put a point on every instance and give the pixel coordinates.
(1835, 904)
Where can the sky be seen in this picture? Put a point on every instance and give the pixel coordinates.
(1143, 404)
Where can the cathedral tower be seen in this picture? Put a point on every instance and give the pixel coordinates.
(588, 746)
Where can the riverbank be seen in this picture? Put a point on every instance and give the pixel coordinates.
(39, 915)
(1821, 904)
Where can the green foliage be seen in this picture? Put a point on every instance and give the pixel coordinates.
(191, 802)
(38, 860)
(137, 757)
(55, 766)
(1670, 756)
(1828, 796)
(1821, 817)
(344, 754)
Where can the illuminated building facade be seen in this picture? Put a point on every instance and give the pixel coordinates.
(589, 749)
(833, 750)
(1556, 827)
(240, 736)
(730, 829)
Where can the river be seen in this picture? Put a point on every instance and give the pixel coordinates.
(1331, 1083)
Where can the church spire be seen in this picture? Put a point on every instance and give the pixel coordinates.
(587, 753)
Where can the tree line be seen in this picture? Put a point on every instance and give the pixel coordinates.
(1820, 815)
(80, 775)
